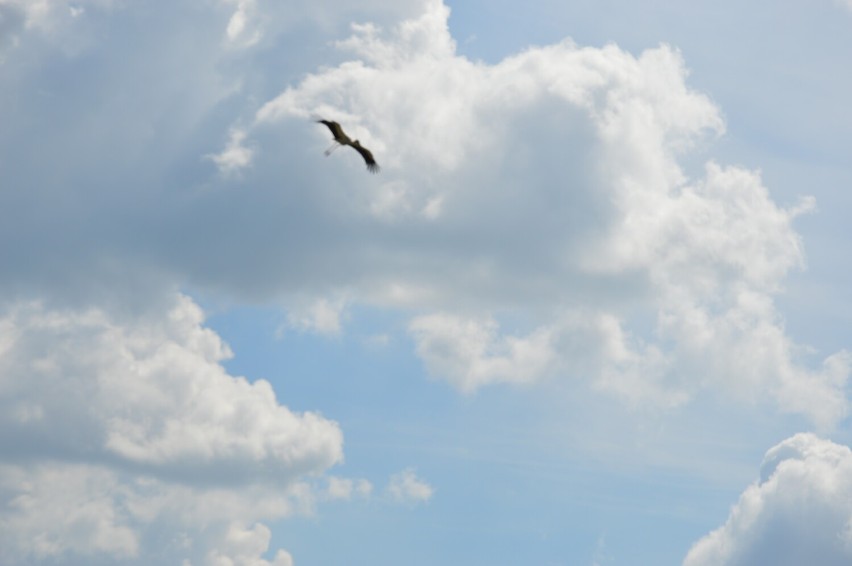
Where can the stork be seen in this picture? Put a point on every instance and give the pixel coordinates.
(340, 138)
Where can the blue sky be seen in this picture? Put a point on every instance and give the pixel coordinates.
(593, 311)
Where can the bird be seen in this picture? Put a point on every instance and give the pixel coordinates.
(340, 138)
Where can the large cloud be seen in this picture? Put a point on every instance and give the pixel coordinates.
(539, 205)
(799, 512)
(151, 396)
(552, 180)
(116, 429)
(546, 215)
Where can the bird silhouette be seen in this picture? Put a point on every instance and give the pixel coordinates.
(340, 138)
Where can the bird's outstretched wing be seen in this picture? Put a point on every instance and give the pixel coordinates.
(372, 166)
(336, 131)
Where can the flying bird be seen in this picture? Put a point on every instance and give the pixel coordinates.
(341, 138)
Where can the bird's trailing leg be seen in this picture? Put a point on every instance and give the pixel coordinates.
(331, 149)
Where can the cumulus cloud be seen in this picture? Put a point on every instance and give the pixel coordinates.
(548, 188)
(152, 395)
(797, 513)
(550, 183)
(242, 546)
(406, 487)
(557, 174)
(69, 513)
(116, 425)
(51, 511)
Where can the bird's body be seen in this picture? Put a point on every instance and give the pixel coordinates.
(341, 138)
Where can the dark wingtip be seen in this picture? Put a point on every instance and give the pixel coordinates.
(373, 168)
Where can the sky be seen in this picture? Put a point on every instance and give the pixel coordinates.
(593, 310)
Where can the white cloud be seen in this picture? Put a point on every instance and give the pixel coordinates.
(469, 353)
(321, 316)
(549, 184)
(406, 487)
(171, 440)
(242, 546)
(346, 488)
(151, 395)
(609, 225)
(238, 25)
(473, 353)
(70, 513)
(52, 511)
(235, 156)
(48, 14)
(797, 513)
(61, 22)
(254, 23)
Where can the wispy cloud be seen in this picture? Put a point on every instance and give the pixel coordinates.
(406, 487)
(235, 156)
(347, 488)
(320, 316)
